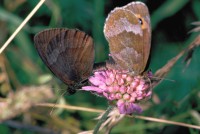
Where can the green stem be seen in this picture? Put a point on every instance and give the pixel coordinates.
(102, 120)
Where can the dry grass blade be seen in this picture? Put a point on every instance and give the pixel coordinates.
(102, 111)
(4, 81)
(113, 118)
(70, 107)
(167, 122)
(196, 29)
(22, 25)
(162, 72)
(23, 100)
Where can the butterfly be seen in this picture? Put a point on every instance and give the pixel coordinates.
(68, 53)
(128, 31)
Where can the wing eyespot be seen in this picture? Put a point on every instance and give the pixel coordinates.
(140, 21)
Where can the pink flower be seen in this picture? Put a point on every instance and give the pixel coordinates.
(128, 108)
(120, 87)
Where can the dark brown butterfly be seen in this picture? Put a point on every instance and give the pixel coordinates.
(128, 32)
(68, 53)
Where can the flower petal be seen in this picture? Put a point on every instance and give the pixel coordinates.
(128, 108)
(92, 88)
(96, 81)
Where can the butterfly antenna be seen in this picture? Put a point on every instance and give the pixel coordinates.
(56, 102)
(158, 78)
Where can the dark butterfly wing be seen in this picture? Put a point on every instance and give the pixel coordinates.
(128, 32)
(68, 53)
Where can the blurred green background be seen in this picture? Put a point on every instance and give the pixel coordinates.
(171, 21)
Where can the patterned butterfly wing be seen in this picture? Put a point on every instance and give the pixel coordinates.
(128, 32)
(68, 53)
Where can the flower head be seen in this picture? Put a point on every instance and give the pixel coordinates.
(121, 87)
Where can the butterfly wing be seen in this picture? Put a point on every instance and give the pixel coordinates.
(68, 53)
(128, 32)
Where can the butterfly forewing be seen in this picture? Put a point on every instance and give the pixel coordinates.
(127, 30)
(68, 53)
(142, 12)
